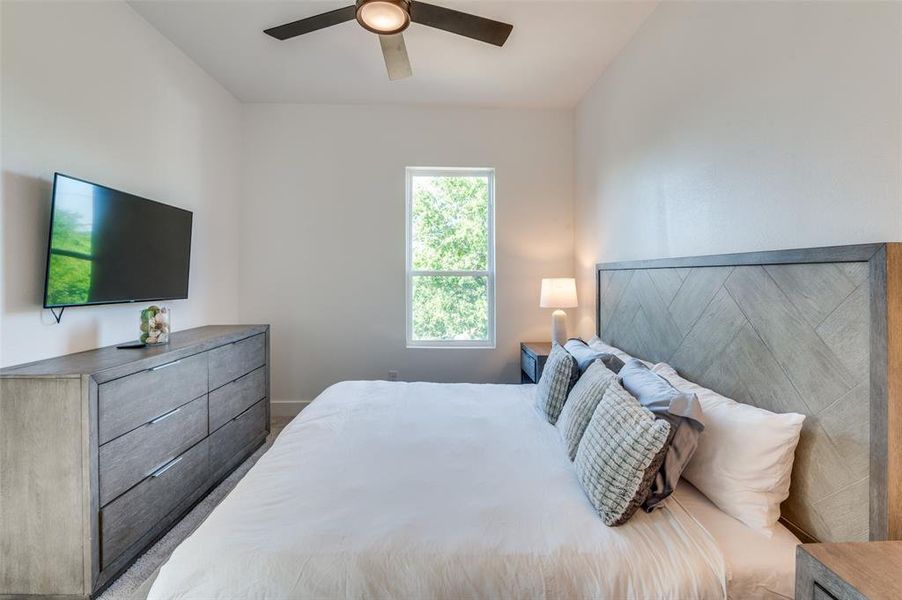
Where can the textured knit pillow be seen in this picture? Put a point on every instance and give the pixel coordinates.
(581, 403)
(558, 376)
(619, 455)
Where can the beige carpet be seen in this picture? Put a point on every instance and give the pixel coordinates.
(129, 582)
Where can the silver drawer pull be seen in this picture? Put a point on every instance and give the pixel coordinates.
(175, 362)
(167, 466)
(165, 416)
(242, 415)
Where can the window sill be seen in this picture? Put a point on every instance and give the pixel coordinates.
(450, 346)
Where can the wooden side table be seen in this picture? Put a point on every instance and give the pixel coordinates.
(532, 360)
(849, 571)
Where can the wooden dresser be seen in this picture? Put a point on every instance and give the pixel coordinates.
(102, 452)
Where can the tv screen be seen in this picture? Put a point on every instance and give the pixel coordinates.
(108, 246)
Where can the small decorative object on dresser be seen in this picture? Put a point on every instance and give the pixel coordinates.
(849, 571)
(103, 451)
(558, 293)
(532, 360)
(155, 325)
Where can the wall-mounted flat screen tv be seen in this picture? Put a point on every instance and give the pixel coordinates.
(108, 247)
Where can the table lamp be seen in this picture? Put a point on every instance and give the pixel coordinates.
(558, 293)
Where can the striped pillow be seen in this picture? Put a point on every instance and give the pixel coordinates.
(581, 403)
(619, 455)
(558, 376)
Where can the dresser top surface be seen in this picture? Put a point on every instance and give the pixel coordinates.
(870, 567)
(181, 343)
(537, 348)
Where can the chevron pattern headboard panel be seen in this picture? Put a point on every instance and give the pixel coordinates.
(782, 331)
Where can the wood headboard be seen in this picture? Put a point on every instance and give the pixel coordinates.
(816, 331)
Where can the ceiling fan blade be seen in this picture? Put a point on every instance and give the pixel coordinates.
(461, 23)
(394, 51)
(321, 21)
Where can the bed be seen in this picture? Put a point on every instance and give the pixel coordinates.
(420, 490)
(416, 490)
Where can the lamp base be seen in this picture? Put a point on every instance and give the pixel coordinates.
(559, 327)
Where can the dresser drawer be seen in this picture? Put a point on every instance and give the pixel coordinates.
(234, 398)
(822, 594)
(231, 361)
(126, 519)
(528, 365)
(134, 400)
(130, 458)
(228, 442)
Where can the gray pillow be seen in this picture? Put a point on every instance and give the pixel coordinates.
(681, 409)
(585, 356)
(581, 404)
(558, 377)
(619, 455)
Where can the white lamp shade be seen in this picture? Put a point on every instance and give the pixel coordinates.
(559, 292)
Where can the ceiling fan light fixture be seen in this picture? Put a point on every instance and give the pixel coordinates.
(385, 17)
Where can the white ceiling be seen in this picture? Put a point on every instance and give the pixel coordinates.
(558, 48)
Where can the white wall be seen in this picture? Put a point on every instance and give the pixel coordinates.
(721, 127)
(90, 89)
(734, 126)
(322, 234)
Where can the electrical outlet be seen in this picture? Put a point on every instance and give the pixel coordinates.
(393, 376)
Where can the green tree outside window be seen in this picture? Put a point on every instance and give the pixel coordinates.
(450, 257)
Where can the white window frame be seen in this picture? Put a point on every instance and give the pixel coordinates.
(489, 273)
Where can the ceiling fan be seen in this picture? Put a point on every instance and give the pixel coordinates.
(389, 18)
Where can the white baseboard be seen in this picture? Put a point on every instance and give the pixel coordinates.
(287, 408)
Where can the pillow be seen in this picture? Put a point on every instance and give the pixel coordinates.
(581, 404)
(743, 462)
(682, 410)
(599, 346)
(619, 454)
(585, 356)
(558, 376)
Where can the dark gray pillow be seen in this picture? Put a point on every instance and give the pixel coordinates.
(585, 356)
(681, 409)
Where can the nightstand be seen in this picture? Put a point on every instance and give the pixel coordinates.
(849, 571)
(532, 360)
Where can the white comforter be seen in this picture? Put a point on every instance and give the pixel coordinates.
(419, 490)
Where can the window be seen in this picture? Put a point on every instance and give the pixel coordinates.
(450, 258)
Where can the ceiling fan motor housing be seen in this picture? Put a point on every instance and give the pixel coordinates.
(385, 17)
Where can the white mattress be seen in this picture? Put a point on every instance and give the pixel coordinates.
(419, 490)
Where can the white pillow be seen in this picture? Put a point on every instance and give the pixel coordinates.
(743, 462)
